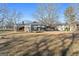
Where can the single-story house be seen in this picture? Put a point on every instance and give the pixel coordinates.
(62, 27)
(34, 26)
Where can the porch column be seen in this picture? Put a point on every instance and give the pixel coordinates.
(15, 28)
(30, 28)
(27, 28)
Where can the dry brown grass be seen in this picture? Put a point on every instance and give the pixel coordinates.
(45, 43)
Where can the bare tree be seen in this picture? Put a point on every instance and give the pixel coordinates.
(14, 18)
(3, 15)
(8, 18)
(70, 16)
(46, 14)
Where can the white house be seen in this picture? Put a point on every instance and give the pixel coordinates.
(62, 27)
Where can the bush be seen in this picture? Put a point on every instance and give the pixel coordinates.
(66, 29)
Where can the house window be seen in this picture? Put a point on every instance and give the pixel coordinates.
(35, 27)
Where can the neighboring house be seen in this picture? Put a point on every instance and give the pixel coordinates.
(66, 27)
(62, 27)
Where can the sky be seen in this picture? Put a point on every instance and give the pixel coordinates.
(28, 9)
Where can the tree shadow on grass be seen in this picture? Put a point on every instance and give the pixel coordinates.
(44, 49)
(41, 50)
(65, 50)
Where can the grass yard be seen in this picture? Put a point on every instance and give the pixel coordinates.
(39, 44)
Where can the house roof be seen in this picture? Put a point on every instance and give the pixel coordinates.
(61, 24)
(32, 23)
(37, 23)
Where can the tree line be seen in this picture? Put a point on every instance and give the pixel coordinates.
(8, 18)
(46, 14)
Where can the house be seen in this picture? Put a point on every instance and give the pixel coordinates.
(34, 26)
(62, 27)
(66, 27)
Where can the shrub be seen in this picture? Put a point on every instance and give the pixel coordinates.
(66, 29)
